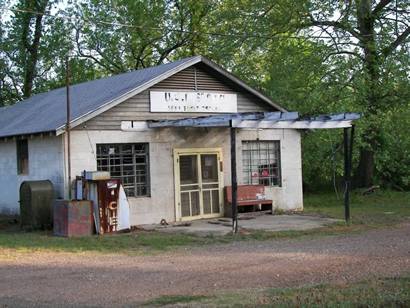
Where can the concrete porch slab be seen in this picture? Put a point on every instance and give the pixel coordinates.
(222, 226)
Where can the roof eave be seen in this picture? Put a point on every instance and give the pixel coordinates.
(29, 135)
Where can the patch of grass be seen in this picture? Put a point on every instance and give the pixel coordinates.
(132, 243)
(370, 293)
(174, 299)
(382, 208)
(383, 292)
(144, 242)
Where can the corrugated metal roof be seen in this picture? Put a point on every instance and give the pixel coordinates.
(46, 112)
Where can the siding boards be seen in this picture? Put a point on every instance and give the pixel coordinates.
(137, 107)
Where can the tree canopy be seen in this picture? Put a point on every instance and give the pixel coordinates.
(311, 56)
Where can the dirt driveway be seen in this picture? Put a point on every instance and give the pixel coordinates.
(63, 279)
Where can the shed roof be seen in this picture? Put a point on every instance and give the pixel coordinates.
(45, 112)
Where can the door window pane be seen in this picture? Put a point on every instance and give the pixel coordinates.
(195, 208)
(207, 201)
(215, 201)
(188, 169)
(209, 167)
(185, 204)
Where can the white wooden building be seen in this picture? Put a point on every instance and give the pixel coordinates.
(169, 170)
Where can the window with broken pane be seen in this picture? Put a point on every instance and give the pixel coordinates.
(261, 163)
(127, 162)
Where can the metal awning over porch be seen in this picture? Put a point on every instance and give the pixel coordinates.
(263, 120)
(266, 120)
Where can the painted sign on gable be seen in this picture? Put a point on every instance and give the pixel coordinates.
(194, 101)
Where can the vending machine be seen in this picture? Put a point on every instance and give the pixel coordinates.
(108, 193)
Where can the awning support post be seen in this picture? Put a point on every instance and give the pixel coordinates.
(348, 153)
(68, 120)
(234, 181)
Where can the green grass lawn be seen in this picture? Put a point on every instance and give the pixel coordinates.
(130, 243)
(382, 208)
(376, 210)
(382, 292)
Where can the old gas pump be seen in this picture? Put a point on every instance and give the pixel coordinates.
(108, 193)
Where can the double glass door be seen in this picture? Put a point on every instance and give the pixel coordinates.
(198, 184)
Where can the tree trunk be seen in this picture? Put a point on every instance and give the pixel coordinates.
(365, 171)
(32, 48)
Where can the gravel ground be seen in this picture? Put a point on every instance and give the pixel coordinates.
(65, 279)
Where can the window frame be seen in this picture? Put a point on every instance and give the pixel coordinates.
(262, 160)
(136, 185)
(22, 148)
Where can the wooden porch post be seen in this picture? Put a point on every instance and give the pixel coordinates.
(348, 153)
(68, 120)
(234, 181)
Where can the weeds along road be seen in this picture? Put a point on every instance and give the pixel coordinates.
(66, 279)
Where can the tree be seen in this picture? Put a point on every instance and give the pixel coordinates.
(33, 45)
(122, 35)
(371, 32)
(30, 40)
(310, 56)
(321, 57)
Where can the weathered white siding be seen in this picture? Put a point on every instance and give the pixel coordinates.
(138, 107)
(146, 210)
(45, 163)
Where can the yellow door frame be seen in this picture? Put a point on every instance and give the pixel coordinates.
(197, 151)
